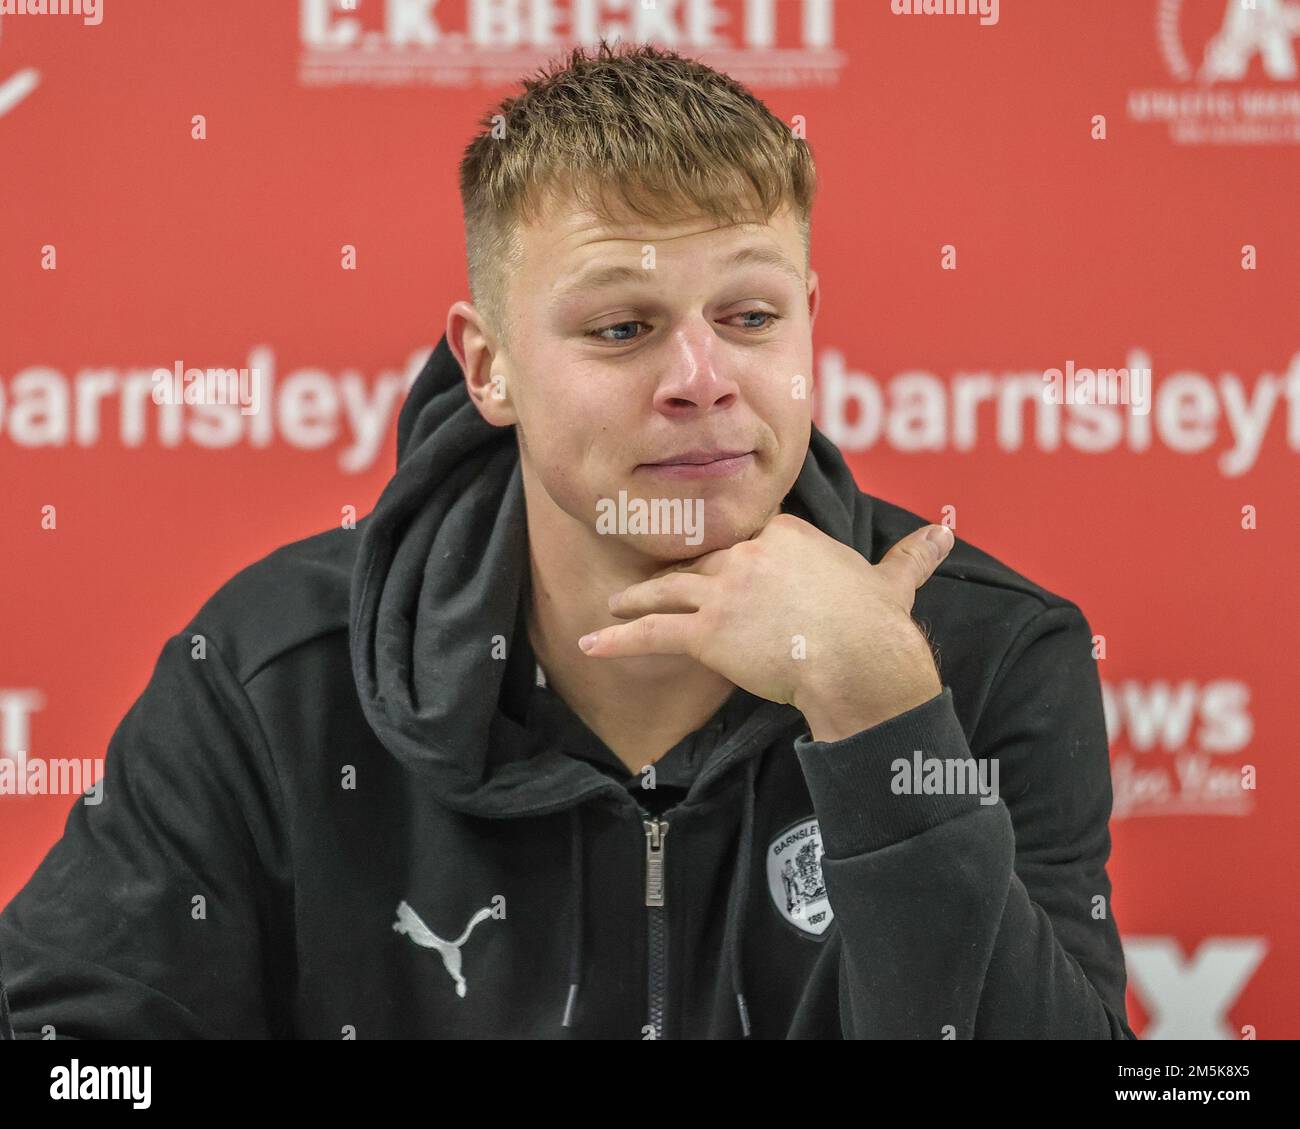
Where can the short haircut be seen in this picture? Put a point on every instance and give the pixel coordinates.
(669, 137)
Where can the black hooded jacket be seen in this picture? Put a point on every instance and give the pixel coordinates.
(346, 805)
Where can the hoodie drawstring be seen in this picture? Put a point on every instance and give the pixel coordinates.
(575, 937)
(737, 903)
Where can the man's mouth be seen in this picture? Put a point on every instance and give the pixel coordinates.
(701, 463)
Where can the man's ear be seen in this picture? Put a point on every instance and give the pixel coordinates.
(484, 364)
(814, 296)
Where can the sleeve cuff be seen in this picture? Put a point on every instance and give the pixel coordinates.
(865, 788)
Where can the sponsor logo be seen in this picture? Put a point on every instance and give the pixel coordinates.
(1175, 748)
(483, 42)
(1235, 71)
(794, 878)
(1185, 411)
(211, 408)
(1190, 1000)
(409, 923)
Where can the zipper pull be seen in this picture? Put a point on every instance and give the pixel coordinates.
(656, 831)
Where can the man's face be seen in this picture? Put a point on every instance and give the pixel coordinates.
(666, 361)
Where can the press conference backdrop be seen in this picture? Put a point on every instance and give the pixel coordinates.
(1024, 189)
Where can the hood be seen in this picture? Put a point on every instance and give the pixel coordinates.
(439, 650)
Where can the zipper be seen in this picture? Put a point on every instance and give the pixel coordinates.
(656, 834)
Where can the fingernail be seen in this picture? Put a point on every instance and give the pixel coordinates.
(588, 641)
(941, 537)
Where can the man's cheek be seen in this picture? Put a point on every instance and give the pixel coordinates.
(571, 485)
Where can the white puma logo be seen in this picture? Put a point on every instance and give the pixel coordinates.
(408, 922)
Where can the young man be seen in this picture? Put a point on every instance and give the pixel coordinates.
(612, 720)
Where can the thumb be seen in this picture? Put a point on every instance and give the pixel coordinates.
(912, 561)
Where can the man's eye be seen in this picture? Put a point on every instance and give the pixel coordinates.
(618, 327)
(772, 319)
(600, 333)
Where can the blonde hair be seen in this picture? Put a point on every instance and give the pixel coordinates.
(671, 137)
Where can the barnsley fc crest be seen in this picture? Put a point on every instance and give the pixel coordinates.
(794, 878)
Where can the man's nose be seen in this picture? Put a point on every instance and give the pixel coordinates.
(696, 376)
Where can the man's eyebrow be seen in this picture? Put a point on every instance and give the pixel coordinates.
(601, 277)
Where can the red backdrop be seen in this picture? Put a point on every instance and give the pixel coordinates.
(1171, 243)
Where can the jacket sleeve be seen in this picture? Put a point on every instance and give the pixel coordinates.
(163, 911)
(963, 918)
